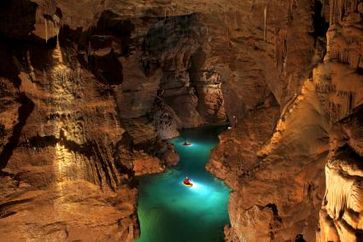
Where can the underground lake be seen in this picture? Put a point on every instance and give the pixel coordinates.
(169, 211)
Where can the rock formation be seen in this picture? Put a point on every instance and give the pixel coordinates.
(90, 90)
(280, 167)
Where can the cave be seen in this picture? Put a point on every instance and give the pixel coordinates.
(181, 121)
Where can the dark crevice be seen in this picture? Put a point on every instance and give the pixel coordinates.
(40, 141)
(103, 45)
(347, 153)
(2, 130)
(4, 212)
(356, 115)
(24, 112)
(17, 18)
(104, 164)
(12, 203)
(111, 23)
(359, 235)
(46, 141)
(107, 69)
(164, 36)
(299, 238)
(276, 222)
(320, 24)
(275, 211)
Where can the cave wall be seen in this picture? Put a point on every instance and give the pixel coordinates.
(55, 165)
(296, 177)
(339, 85)
(89, 90)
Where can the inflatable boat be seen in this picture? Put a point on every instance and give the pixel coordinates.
(187, 182)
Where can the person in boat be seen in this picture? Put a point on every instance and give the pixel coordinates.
(186, 143)
(187, 182)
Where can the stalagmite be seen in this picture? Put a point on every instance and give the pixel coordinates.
(265, 23)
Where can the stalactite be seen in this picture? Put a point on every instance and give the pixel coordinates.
(281, 48)
(57, 25)
(265, 23)
(290, 10)
(57, 37)
(353, 5)
(332, 13)
(46, 30)
(337, 11)
(51, 28)
(277, 47)
(340, 8)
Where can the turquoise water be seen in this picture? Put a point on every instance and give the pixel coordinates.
(171, 212)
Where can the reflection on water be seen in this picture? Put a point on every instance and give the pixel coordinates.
(171, 212)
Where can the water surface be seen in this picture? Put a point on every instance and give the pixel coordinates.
(171, 212)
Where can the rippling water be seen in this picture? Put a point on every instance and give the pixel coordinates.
(171, 212)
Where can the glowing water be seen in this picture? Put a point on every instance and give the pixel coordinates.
(171, 212)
